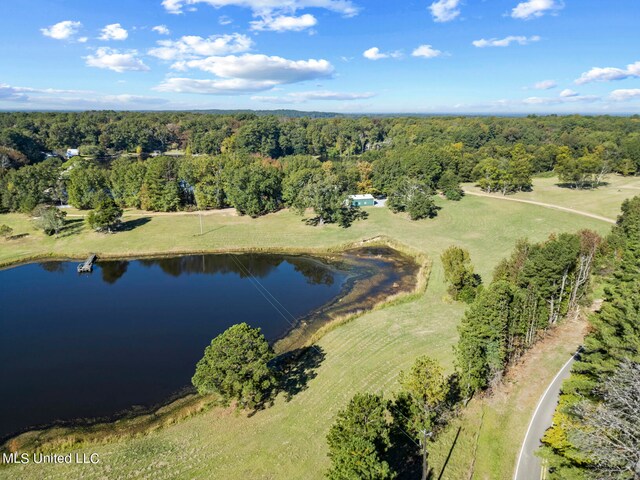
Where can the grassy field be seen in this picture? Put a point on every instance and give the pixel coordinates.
(288, 440)
(603, 201)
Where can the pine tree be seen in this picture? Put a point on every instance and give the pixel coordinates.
(359, 439)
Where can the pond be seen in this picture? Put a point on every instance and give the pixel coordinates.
(89, 346)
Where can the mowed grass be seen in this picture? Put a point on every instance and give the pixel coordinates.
(604, 200)
(287, 441)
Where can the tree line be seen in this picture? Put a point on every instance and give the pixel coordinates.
(532, 290)
(596, 426)
(103, 133)
(254, 185)
(407, 159)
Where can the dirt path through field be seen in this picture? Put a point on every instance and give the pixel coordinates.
(541, 204)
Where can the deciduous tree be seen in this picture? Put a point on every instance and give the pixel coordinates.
(424, 389)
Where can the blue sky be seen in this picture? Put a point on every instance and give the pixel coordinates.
(434, 56)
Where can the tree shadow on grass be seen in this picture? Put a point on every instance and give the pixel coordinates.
(132, 224)
(71, 227)
(585, 186)
(18, 236)
(296, 368)
(347, 217)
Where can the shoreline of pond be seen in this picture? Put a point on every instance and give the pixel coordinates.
(361, 293)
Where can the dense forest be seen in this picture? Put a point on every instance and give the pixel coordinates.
(260, 163)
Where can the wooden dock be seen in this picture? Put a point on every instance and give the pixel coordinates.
(87, 266)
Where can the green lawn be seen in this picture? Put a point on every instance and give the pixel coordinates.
(288, 440)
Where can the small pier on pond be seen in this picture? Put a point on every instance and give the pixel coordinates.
(87, 266)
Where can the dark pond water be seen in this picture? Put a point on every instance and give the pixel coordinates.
(84, 346)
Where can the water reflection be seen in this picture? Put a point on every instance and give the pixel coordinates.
(245, 265)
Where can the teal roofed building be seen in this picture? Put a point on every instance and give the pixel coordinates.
(362, 200)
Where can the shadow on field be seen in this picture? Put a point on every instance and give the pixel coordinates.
(135, 223)
(18, 236)
(71, 227)
(453, 445)
(584, 186)
(297, 368)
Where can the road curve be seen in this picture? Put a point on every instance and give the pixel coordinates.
(529, 467)
(541, 204)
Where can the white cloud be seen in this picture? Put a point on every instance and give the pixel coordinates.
(74, 99)
(567, 92)
(51, 91)
(275, 100)
(245, 73)
(11, 94)
(115, 60)
(324, 95)
(114, 32)
(161, 30)
(83, 39)
(132, 99)
(62, 30)
(505, 42)
(191, 46)
(213, 87)
(445, 10)
(561, 100)
(224, 20)
(426, 51)
(545, 85)
(268, 7)
(535, 8)
(374, 53)
(607, 74)
(261, 67)
(625, 94)
(284, 23)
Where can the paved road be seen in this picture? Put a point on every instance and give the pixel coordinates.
(529, 467)
(541, 204)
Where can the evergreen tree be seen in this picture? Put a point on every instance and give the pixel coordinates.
(160, 190)
(359, 439)
(487, 336)
(106, 216)
(209, 182)
(126, 180)
(235, 366)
